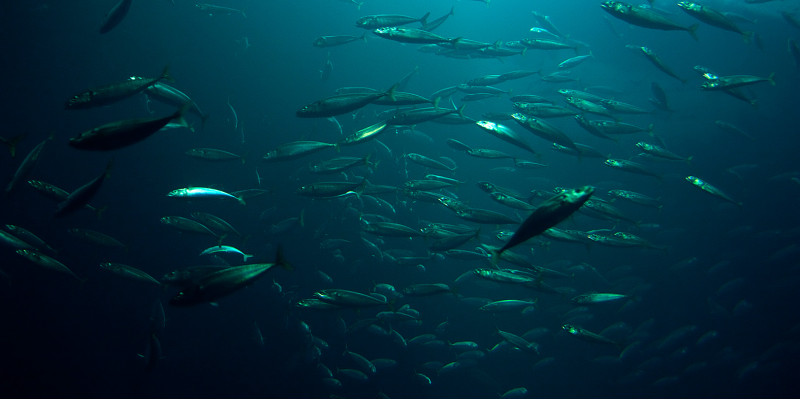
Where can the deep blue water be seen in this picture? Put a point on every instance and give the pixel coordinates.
(725, 269)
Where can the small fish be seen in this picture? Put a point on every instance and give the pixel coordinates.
(81, 196)
(124, 133)
(46, 261)
(225, 249)
(708, 188)
(593, 298)
(115, 15)
(202, 192)
(129, 272)
(330, 41)
(219, 10)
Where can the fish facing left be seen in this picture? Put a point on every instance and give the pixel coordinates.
(119, 134)
(225, 281)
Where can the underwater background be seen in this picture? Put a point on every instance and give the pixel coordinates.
(710, 298)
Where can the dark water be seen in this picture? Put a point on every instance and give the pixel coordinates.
(725, 269)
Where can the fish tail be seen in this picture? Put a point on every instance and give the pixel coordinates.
(99, 211)
(693, 31)
(358, 7)
(771, 79)
(246, 257)
(165, 75)
(747, 36)
(12, 143)
(281, 261)
(364, 36)
(178, 116)
(424, 19)
(241, 200)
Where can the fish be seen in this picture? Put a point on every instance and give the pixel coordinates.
(203, 192)
(505, 133)
(507, 305)
(46, 261)
(332, 189)
(172, 96)
(389, 229)
(27, 165)
(519, 342)
(81, 196)
(225, 249)
(735, 81)
(660, 152)
(187, 225)
(420, 115)
(631, 166)
(225, 281)
(212, 10)
(95, 237)
(411, 35)
(644, 17)
(388, 20)
(119, 134)
(544, 130)
(429, 162)
(341, 104)
(713, 190)
(115, 15)
(593, 298)
(574, 61)
(128, 272)
(656, 60)
(635, 197)
(364, 134)
(114, 92)
(210, 154)
(330, 41)
(586, 335)
(8, 239)
(348, 298)
(713, 18)
(548, 214)
(12, 143)
(27, 237)
(429, 26)
(426, 289)
(297, 149)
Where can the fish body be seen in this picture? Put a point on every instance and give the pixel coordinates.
(27, 237)
(587, 335)
(46, 261)
(519, 342)
(330, 41)
(212, 10)
(27, 165)
(331, 189)
(210, 154)
(387, 20)
(482, 216)
(426, 289)
(574, 61)
(712, 17)
(390, 229)
(593, 298)
(187, 225)
(735, 81)
(543, 110)
(365, 134)
(348, 298)
(10, 240)
(95, 237)
(339, 164)
(115, 15)
(172, 96)
(631, 166)
(544, 130)
(708, 188)
(656, 60)
(411, 35)
(80, 197)
(223, 282)
(506, 305)
(296, 149)
(203, 192)
(428, 162)
(116, 135)
(548, 214)
(420, 115)
(660, 152)
(637, 198)
(225, 249)
(129, 272)
(505, 133)
(112, 93)
(340, 104)
(644, 17)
